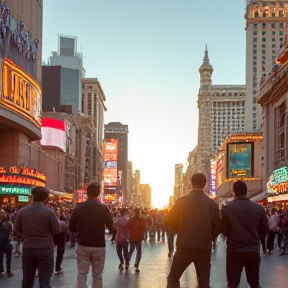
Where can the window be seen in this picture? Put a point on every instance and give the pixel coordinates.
(281, 33)
(273, 25)
(281, 39)
(273, 33)
(254, 25)
(254, 63)
(254, 51)
(263, 39)
(254, 57)
(263, 51)
(273, 45)
(263, 62)
(254, 92)
(254, 46)
(281, 45)
(263, 33)
(264, 25)
(281, 25)
(254, 115)
(263, 57)
(254, 108)
(254, 39)
(273, 39)
(254, 100)
(255, 33)
(263, 45)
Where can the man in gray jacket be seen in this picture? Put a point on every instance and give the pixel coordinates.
(37, 223)
(195, 219)
(244, 223)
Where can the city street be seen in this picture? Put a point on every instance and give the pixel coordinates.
(154, 269)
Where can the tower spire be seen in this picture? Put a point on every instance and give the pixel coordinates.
(206, 64)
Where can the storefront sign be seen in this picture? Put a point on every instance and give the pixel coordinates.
(278, 182)
(23, 199)
(14, 190)
(278, 198)
(20, 92)
(21, 175)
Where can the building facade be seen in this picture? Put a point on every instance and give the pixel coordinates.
(178, 183)
(145, 191)
(116, 130)
(273, 97)
(265, 36)
(221, 112)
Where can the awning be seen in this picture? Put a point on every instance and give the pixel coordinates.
(259, 197)
(278, 198)
(61, 194)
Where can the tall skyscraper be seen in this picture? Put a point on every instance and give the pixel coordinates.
(116, 130)
(68, 57)
(265, 37)
(221, 112)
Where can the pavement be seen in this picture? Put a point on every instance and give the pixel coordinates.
(155, 266)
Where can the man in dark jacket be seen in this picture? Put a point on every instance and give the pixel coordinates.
(244, 223)
(88, 220)
(195, 219)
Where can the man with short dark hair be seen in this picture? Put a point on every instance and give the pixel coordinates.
(195, 219)
(88, 220)
(244, 223)
(36, 224)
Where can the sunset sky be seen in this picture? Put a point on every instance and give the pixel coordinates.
(146, 55)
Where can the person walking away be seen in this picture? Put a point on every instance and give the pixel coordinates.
(6, 228)
(136, 229)
(37, 223)
(121, 226)
(244, 223)
(273, 225)
(60, 241)
(196, 220)
(89, 220)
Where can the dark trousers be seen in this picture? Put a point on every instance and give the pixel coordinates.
(235, 262)
(138, 245)
(183, 258)
(41, 259)
(122, 249)
(170, 241)
(59, 257)
(6, 248)
(270, 240)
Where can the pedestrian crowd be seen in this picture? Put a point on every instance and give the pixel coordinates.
(194, 220)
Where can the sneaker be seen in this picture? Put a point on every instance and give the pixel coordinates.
(10, 274)
(58, 270)
(121, 267)
(137, 270)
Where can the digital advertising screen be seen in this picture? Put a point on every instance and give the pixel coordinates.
(240, 160)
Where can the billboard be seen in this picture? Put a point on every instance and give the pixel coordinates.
(53, 133)
(278, 181)
(110, 177)
(111, 150)
(240, 160)
(213, 179)
(20, 92)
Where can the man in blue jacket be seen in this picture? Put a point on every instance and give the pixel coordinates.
(195, 219)
(244, 223)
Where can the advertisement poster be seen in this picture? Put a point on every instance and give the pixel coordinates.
(278, 181)
(213, 179)
(240, 160)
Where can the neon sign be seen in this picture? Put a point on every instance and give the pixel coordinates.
(278, 181)
(213, 179)
(22, 175)
(15, 190)
(20, 92)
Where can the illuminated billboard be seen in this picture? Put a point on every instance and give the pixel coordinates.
(110, 177)
(53, 133)
(240, 160)
(111, 150)
(278, 182)
(20, 92)
(213, 179)
(21, 175)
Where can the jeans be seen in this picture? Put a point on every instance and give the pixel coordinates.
(6, 248)
(235, 262)
(59, 257)
(138, 245)
(122, 248)
(183, 258)
(41, 259)
(87, 256)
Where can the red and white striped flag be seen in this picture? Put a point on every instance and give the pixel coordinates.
(53, 133)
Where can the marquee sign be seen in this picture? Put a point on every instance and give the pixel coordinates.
(21, 175)
(20, 92)
(278, 182)
(14, 190)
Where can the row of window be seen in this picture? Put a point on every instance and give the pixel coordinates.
(281, 33)
(255, 39)
(228, 94)
(273, 25)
